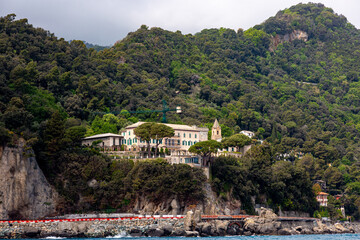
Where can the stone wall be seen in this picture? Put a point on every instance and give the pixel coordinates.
(97, 228)
(192, 225)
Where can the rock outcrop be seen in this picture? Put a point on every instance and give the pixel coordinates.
(24, 190)
(289, 37)
(265, 224)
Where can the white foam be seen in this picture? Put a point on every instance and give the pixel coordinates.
(121, 235)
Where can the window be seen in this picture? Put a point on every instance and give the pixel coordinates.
(195, 135)
(217, 132)
(178, 142)
(178, 134)
(192, 160)
(189, 135)
(184, 135)
(189, 143)
(173, 142)
(129, 133)
(130, 142)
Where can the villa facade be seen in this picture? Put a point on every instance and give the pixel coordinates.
(178, 145)
(322, 199)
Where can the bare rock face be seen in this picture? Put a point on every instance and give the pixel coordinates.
(24, 190)
(289, 37)
(265, 224)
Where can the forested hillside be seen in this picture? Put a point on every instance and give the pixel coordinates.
(301, 96)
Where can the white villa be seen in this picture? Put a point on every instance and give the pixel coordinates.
(249, 134)
(178, 145)
(107, 140)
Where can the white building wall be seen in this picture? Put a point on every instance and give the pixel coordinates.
(186, 138)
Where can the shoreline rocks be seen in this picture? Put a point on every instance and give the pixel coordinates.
(267, 223)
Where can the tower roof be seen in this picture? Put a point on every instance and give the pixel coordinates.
(216, 124)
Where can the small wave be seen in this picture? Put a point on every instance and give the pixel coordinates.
(122, 234)
(53, 237)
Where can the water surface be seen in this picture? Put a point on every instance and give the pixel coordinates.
(294, 237)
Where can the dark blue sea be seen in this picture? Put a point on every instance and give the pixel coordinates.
(295, 237)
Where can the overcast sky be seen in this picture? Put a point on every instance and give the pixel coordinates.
(104, 22)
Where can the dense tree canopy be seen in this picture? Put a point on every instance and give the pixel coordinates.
(205, 149)
(301, 95)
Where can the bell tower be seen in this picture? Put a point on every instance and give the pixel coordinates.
(216, 131)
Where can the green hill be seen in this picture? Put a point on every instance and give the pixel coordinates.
(294, 80)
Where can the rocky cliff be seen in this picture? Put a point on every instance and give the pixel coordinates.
(289, 37)
(212, 205)
(24, 190)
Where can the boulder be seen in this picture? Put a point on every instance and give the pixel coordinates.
(234, 229)
(341, 228)
(151, 232)
(298, 228)
(267, 228)
(247, 233)
(284, 231)
(134, 232)
(207, 229)
(267, 213)
(31, 232)
(306, 231)
(250, 225)
(191, 234)
(221, 227)
(168, 229)
(178, 232)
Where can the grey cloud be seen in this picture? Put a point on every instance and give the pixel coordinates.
(104, 22)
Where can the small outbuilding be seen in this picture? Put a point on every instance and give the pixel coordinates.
(107, 140)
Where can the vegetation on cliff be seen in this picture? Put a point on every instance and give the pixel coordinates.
(278, 184)
(301, 96)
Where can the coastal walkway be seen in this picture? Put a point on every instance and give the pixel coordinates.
(243, 217)
(154, 217)
(94, 219)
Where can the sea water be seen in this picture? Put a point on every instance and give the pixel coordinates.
(293, 237)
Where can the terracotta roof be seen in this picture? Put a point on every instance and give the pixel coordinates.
(103, 135)
(323, 193)
(174, 126)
